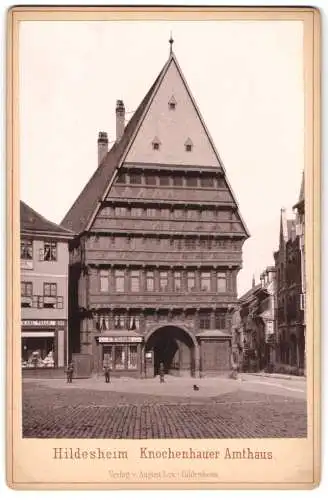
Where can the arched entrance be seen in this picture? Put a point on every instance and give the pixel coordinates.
(175, 348)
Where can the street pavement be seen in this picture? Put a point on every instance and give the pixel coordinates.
(251, 407)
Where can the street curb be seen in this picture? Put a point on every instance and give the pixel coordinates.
(278, 376)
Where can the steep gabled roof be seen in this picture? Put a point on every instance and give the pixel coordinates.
(79, 215)
(83, 211)
(32, 222)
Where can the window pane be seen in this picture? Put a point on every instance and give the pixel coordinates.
(121, 179)
(221, 282)
(50, 251)
(163, 281)
(136, 211)
(191, 181)
(53, 289)
(178, 212)
(151, 212)
(120, 210)
(132, 357)
(119, 281)
(150, 180)
(207, 181)
(205, 282)
(46, 289)
(26, 249)
(191, 281)
(204, 321)
(135, 178)
(150, 281)
(164, 180)
(119, 357)
(135, 281)
(177, 180)
(177, 281)
(104, 281)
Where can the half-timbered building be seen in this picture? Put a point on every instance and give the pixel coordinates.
(153, 271)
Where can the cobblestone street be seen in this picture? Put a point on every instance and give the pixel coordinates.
(224, 409)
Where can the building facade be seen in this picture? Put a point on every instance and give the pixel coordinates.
(253, 328)
(44, 260)
(154, 266)
(290, 269)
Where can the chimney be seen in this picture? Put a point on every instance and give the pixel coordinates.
(120, 119)
(102, 146)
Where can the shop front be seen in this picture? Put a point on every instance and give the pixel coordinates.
(43, 343)
(122, 353)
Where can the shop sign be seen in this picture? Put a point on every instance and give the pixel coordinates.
(103, 340)
(38, 322)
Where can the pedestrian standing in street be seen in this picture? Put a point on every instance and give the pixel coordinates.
(107, 374)
(161, 373)
(69, 373)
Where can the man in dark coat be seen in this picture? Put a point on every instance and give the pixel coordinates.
(161, 372)
(107, 374)
(69, 373)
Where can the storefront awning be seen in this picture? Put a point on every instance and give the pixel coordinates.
(40, 334)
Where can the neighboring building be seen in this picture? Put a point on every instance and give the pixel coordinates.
(44, 260)
(253, 326)
(159, 245)
(289, 263)
(300, 231)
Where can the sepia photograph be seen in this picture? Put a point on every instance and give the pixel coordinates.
(162, 278)
(166, 217)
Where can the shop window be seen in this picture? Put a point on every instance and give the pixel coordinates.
(26, 294)
(119, 280)
(135, 178)
(49, 251)
(150, 281)
(191, 281)
(205, 281)
(37, 352)
(163, 281)
(177, 180)
(132, 357)
(204, 321)
(221, 282)
(26, 249)
(135, 281)
(119, 357)
(177, 281)
(108, 356)
(104, 280)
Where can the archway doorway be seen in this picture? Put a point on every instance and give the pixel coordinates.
(173, 347)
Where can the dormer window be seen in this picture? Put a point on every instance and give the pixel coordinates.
(156, 144)
(188, 145)
(172, 104)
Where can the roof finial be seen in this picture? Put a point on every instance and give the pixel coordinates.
(171, 42)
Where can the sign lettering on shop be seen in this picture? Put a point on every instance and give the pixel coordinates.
(103, 340)
(38, 322)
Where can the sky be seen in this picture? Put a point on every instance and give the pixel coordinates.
(247, 80)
